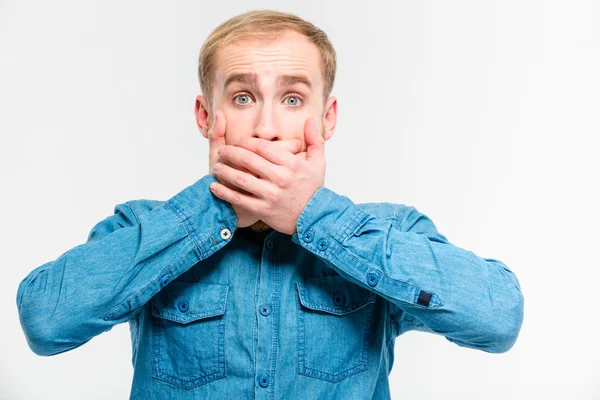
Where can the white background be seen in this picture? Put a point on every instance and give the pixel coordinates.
(483, 115)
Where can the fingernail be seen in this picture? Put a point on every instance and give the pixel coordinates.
(220, 150)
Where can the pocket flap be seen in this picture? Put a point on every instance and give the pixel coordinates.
(333, 294)
(185, 302)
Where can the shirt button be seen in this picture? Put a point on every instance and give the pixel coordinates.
(338, 299)
(265, 309)
(264, 380)
(308, 237)
(269, 244)
(323, 244)
(225, 233)
(372, 279)
(165, 281)
(184, 306)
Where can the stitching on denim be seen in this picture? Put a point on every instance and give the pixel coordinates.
(307, 208)
(394, 282)
(189, 228)
(303, 369)
(367, 335)
(353, 223)
(326, 376)
(156, 358)
(151, 283)
(160, 313)
(275, 319)
(221, 366)
(300, 335)
(368, 298)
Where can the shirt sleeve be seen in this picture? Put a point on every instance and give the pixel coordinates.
(430, 284)
(125, 261)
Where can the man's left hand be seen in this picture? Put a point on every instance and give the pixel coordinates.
(284, 182)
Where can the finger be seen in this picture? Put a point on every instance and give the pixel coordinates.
(301, 155)
(250, 203)
(257, 167)
(291, 145)
(268, 150)
(245, 182)
(243, 158)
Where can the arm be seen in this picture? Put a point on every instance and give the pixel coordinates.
(430, 284)
(126, 260)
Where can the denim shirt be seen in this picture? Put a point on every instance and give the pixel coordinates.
(224, 313)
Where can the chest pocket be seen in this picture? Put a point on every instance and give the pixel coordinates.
(334, 325)
(189, 333)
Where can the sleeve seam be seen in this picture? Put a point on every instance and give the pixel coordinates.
(187, 225)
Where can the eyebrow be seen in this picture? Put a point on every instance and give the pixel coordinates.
(251, 79)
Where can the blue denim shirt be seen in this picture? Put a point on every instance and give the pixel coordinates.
(224, 313)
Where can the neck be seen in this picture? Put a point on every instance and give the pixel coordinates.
(260, 226)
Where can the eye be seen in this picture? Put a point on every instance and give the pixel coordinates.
(243, 99)
(295, 100)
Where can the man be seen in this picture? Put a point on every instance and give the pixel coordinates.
(258, 281)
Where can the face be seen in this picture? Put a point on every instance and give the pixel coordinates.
(266, 107)
(268, 88)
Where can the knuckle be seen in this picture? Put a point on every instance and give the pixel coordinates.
(246, 159)
(282, 182)
(241, 180)
(272, 196)
(294, 164)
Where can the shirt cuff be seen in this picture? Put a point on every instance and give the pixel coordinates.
(327, 216)
(209, 220)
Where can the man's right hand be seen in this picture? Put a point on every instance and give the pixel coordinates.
(216, 139)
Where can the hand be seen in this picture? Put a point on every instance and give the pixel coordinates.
(278, 185)
(216, 137)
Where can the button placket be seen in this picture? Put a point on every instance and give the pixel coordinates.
(265, 309)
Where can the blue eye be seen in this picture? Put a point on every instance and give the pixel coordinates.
(295, 102)
(243, 96)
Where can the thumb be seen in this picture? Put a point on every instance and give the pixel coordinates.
(314, 140)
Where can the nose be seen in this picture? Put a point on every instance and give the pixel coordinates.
(267, 126)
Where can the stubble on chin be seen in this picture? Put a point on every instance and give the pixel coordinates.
(260, 226)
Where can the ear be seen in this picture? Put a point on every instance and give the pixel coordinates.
(329, 117)
(202, 115)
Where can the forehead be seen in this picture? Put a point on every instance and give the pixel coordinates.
(288, 53)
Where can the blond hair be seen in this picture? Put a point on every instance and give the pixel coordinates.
(263, 23)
